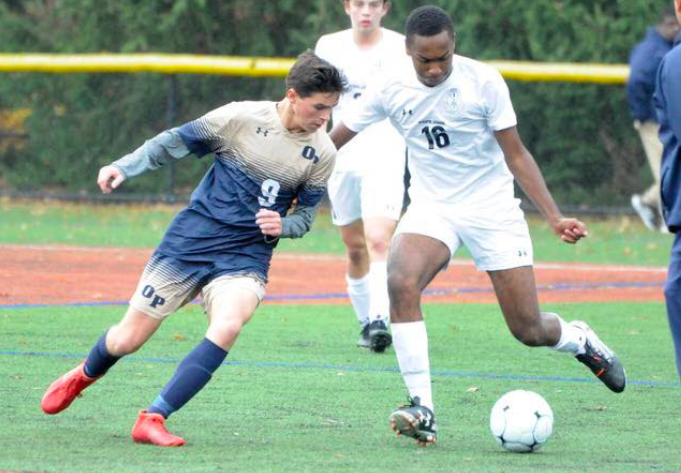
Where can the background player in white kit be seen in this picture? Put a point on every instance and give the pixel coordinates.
(366, 188)
(464, 152)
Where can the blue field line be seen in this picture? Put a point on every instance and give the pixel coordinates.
(70, 304)
(357, 369)
(343, 295)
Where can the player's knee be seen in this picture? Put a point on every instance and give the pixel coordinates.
(379, 246)
(378, 240)
(225, 332)
(354, 239)
(529, 335)
(357, 255)
(119, 343)
(402, 287)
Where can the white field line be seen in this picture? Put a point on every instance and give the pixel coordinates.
(336, 258)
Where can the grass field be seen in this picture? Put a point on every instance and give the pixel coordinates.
(622, 240)
(296, 394)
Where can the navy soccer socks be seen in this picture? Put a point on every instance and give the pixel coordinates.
(99, 360)
(192, 374)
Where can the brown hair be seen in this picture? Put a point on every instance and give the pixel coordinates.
(311, 74)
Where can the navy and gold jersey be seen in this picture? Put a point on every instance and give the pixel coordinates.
(258, 164)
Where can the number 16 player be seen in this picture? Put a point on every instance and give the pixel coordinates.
(464, 152)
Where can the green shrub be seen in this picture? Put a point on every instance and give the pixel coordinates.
(580, 134)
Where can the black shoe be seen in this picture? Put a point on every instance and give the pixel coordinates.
(601, 360)
(364, 341)
(379, 337)
(415, 421)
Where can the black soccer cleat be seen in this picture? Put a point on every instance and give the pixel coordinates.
(364, 340)
(601, 360)
(379, 337)
(415, 421)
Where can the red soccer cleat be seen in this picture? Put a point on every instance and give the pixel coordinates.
(151, 428)
(63, 391)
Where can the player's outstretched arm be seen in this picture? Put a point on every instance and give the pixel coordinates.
(527, 173)
(340, 135)
(153, 154)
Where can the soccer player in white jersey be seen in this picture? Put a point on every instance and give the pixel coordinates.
(221, 244)
(464, 152)
(366, 187)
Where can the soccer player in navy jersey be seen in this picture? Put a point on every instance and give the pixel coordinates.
(266, 155)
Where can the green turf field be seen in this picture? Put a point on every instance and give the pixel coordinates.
(622, 240)
(297, 395)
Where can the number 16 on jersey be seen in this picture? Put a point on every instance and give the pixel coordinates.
(437, 136)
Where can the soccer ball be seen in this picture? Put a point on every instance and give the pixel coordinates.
(521, 421)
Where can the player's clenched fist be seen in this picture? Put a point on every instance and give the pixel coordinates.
(570, 230)
(269, 222)
(110, 177)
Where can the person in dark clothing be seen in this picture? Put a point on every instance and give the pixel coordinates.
(644, 61)
(668, 107)
(270, 157)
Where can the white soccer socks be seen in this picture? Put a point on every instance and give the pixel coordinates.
(411, 347)
(369, 294)
(359, 292)
(572, 338)
(379, 306)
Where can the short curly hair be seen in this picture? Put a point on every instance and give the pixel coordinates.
(428, 20)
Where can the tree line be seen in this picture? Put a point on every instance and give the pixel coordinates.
(580, 134)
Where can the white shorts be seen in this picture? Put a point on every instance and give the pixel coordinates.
(496, 240)
(368, 179)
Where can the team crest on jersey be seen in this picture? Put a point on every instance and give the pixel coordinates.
(453, 100)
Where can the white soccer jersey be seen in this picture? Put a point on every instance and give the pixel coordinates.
(380, 145)
(359, 65)
(454, 157)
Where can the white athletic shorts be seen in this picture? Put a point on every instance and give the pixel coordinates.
(168, 284)
(497, 240)
(368, 179)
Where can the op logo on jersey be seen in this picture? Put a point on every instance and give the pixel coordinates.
(453, 100)
(311, 154)
(262, 131)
